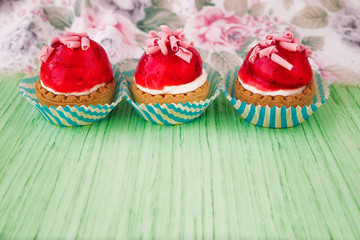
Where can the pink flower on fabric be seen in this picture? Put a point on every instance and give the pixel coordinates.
(114, 32)
(217, 29)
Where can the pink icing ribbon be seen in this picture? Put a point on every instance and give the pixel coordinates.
(65, 39)
(151, 42)
(152, 34)
(73, 44)
(162, 45)
(163, 34)
(159, 41)
(178, 31)
(73, 40)
(186, 44)
(267, 48)
(282, 39)
(181, 36)
(269, 40)
(152, 50)
(266, 52)
(289, 35)
(266, 43)
(83, 34)
(254, 54)
(296, 40)
(85, 43)
(166, 29)
(281, 61)
(184, 54)
(307, 49)
(45, 53)
(173, 43)
(292, 47)
(70, 40)
(269, 37)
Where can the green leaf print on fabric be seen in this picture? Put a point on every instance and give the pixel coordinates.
(333, 5)
(257, 9)
(201, 3)
(311, 17)
(59, 17)
(154, 17)
(238, 6)
(141, 39)
(77, 8)
(344, 74)
(246, 46)
(165, 4)
(224, 61)
(314, 42)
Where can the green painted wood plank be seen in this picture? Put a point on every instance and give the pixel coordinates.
(217, 177)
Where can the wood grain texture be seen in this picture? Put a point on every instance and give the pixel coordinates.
(217, 177)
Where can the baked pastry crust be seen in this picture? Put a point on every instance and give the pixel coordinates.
(102, 96)
(301, 99)
(197, 95)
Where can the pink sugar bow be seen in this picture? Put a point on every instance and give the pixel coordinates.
(160, 40)
(267, 48)
(70, 40)
(45, 53)
(73, 40)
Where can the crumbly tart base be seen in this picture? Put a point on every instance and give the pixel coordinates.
(197, 95)
(102, 96)
(301, 99)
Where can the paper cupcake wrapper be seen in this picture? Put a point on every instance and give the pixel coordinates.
(275, 117)
(170, 114)
(69, 116)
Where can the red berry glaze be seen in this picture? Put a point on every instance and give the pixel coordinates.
(155, 71)
(266, 75)
(75, 70)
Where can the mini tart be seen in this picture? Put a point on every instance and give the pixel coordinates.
(301, 99)
(276, 63)
(169, 61)
(74, 63)
(199, 94)
(102, 96)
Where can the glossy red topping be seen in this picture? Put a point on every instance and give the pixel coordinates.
(155, 71)
(267, 75)
(75, 70)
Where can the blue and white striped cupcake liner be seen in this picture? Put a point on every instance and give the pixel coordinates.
(275, 117)
(170, 114)
(69, 116)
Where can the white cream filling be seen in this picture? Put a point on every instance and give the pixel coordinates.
(93, 89)
(184, 88)
(281, 92)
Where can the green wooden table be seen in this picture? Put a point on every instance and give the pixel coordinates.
(216, 177)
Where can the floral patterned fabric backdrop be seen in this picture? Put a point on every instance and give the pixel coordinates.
(223, 30)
